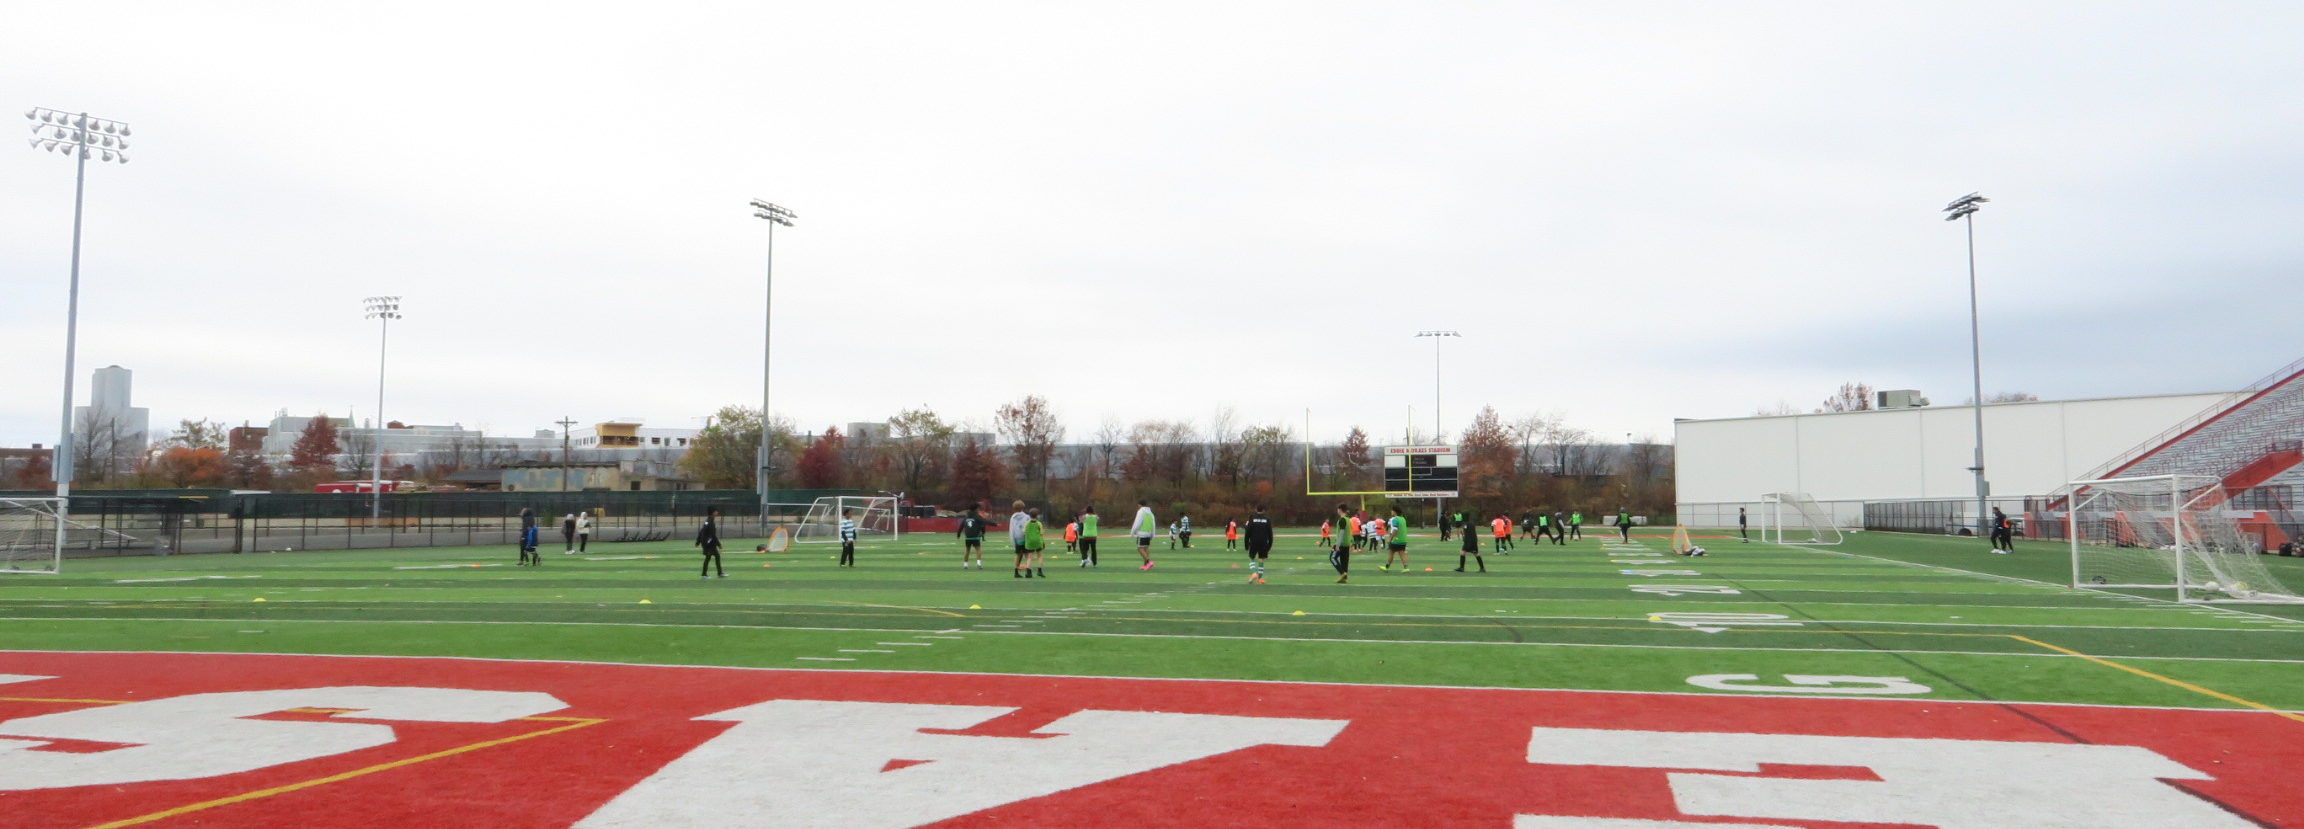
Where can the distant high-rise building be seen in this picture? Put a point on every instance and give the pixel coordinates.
(109, 434)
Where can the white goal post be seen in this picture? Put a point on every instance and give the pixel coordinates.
(2166, 532)
(1796, 518)
(32, 535)
(875, 517)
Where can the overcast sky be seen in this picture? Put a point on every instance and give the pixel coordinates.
(1632, 211)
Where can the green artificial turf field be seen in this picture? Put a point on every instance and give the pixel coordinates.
(1947, 618)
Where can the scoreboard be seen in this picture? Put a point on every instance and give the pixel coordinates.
(1420, 471)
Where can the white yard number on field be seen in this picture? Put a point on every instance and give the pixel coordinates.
(793, 762)
(1954, 784)
(1717, 622)
(204, 735)
(1812, 684)
(1685, 589)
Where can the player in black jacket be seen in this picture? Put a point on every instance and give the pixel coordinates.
(971, 534)
(708, 537)
(1259, 538)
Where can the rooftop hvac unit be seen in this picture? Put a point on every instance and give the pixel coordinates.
(1901, 399)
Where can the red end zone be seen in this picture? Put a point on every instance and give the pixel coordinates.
(237, 740)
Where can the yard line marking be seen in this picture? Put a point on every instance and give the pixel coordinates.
(863, 650)
(824, 659)
(996, 626)
(2170, 680)
(2089, 590)
(912, 644)
(935, 637)
(573, 723)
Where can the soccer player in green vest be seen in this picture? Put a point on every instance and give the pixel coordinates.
(1397, 541)
(1088, 536)
(1576, 525)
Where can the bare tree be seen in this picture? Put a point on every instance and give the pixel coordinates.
(1031, 427)
(1109, 436)
(198, 434)
(1852, 397)
(1266, 450)
(2009, 397)
(1225, 457)
(1781, 408)
(1530, 432)
(359, 453)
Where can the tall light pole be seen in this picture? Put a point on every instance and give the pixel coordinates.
(1439, 432)
(775, 215)
(82, 137)
(565, 422)
(1965, 207)
(382, 309)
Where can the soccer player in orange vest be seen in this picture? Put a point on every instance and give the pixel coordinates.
(1501, 527)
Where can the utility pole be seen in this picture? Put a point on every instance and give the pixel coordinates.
(565, 422)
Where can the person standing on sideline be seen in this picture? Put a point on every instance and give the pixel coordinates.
(1259, 544)
(1088, 536)
(1072, 537)
(971, 534)
(1471, 548)
(1743, 525)
(1035, 544)
(2003, 533)
(1559, 528)
(1576, 525)
(708, 537)
(1143, 528)
(1624, 524)
(1324, 535)
(847, 538)
(583, 531)
(527, 535)
(1017, 521)
(568, 534)
(1232, 533)
(1341, 557)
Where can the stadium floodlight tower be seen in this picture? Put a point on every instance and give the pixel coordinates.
(1439, 432)
(776, 215)
(83, 138)
(1965, 207)
(382, 309)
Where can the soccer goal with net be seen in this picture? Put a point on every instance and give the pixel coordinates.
(875, 517)
(2169, 532)
(1797, 518)
(31, 535)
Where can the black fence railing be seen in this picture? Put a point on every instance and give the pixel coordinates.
(151, 522)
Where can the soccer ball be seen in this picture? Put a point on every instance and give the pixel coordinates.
(2211, 587)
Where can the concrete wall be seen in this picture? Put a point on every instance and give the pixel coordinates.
(2030, 449)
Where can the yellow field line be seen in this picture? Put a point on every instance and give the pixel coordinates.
(573, 723)
(2166, 679)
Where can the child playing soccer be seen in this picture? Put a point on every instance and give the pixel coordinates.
(1232, 534)
(1259, 544)
(1341, 556)
(1035, 540)
(1396, 537)
(1072, 537)
(1088, 536)
(971, 534)
(1325, 535)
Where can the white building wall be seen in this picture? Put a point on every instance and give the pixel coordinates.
(2030, 449)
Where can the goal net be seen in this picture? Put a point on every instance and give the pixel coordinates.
(2166, 532)
(1796, 518)
(31, 540)
(875, 517)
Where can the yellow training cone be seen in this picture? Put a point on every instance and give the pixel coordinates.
(645, 601)
(1297, 613)
(257, 599)
(975, 607)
